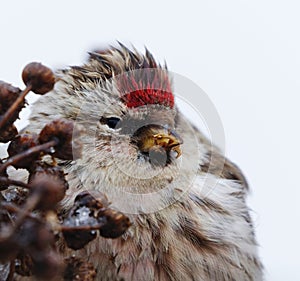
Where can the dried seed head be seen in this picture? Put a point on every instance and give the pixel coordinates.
(62, 131)
(84, 213)
(79, 269)
(9, 249)
(50, 188)
(48, 266)
(8, 95)
(20, 144)
(115, 223)
(39, 77)
(43, 168)
(34, 236)
(92, 199)
(77, 239)
(8, 133)
(79, 216)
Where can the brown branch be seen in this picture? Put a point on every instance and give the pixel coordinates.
(14, 182)
(10, 207)
(11, 274)
(39, 148)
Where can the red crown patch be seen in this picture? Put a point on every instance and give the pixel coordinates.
(145, 87)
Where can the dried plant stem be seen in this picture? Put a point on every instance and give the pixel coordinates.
(15, 209)
(39, 148)
(10, 276)
(14, 107)
(14, 182)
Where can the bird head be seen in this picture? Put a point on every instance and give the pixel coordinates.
(133, 134)
(142, 113)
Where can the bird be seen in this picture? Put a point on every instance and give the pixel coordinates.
(186, 201)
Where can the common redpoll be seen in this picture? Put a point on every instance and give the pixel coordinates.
(186, 202)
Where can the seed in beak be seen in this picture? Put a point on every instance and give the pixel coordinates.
(169, 142)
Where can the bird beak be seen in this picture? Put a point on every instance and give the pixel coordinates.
(155, 136)
(168, 142)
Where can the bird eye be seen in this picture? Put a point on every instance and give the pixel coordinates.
(111, 122)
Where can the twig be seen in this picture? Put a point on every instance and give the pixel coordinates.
(10, 276)
(27, 153)
(14, 182)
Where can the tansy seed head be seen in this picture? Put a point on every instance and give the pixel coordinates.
(92, 199)
(20, 144)
(9, 249)
(77, 239)
(34, 236)
(8, 133)
(39, 77)
(50, 188)
(61, 130)
(115, 224)
(8, 95)
(43, 168)
(48, 266)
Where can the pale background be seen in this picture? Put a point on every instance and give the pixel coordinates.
(244, 54)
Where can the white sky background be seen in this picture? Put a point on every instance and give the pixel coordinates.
(244, 54)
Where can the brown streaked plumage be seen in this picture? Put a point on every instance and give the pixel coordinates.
(206, 234)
